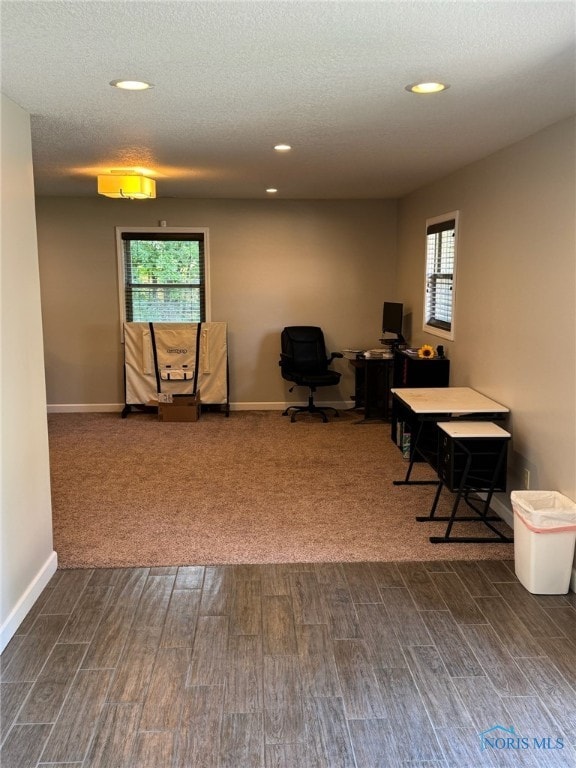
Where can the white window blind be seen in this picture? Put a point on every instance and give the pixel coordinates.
(440, 271)
(164, 276)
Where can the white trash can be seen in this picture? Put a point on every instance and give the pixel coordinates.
(544, 540)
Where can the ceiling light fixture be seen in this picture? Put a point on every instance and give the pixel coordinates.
(131, 85)
(271, 190)
(127, 186)
(427, 87)
(282, 147)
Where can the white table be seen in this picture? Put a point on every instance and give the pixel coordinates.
(461, 418)
(454, 401)
(438, 404)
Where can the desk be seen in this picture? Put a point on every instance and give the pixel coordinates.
(462, 416)
(413, 371)
(421, 409)
(373, 379)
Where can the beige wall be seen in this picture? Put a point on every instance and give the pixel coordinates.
(27, 559)
(272, 263)
(515, 296)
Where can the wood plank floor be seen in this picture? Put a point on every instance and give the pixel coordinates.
(332, 665)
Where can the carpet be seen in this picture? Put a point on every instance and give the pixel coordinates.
(251, 488)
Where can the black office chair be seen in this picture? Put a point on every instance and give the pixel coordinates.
(303, 360)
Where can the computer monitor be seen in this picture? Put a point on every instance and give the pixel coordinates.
(392, 315)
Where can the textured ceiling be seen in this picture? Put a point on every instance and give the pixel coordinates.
(234, 78)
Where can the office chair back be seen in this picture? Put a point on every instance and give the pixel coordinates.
(303, 361)
(304, 348)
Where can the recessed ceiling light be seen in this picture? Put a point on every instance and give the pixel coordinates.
(282, 147)
(427, 87)
(271, 190)
(131, 85)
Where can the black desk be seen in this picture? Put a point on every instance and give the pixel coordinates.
(373, 380)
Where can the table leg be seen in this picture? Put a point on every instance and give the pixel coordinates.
(414, 450)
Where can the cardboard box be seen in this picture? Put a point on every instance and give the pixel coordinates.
(182, 408)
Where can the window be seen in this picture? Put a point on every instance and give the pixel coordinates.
(163, 275)
(441, 238)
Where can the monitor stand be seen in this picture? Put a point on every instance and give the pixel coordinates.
(398, 342)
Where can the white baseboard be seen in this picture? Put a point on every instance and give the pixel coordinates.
(338, 404)
(501, 509)
(27, 600)
(85, 407)
(257, 406)
(118, 407)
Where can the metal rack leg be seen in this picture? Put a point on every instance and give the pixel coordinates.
(413, 451)
(432, 515)
(481, 515)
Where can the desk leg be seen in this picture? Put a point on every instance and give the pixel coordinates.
(413, 452)
(432, 516)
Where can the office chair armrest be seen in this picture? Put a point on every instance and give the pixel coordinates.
(284, 359)
(335, 354)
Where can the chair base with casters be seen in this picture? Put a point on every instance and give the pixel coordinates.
(304, 362)
(294, 410)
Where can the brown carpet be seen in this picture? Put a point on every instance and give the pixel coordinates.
(251, 488)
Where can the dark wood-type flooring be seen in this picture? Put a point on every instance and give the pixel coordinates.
(339, 665)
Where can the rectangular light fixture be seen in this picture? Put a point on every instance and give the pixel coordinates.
(128, 186)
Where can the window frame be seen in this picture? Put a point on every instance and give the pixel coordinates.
(161, 231)
(436, 330)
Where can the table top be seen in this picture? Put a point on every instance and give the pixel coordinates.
(473, 429)
(453, 400)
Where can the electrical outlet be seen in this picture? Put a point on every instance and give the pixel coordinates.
(527, 479)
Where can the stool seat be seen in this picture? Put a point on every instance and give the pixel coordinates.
(464, 429)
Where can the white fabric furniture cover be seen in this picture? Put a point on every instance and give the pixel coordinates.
(172, 369)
